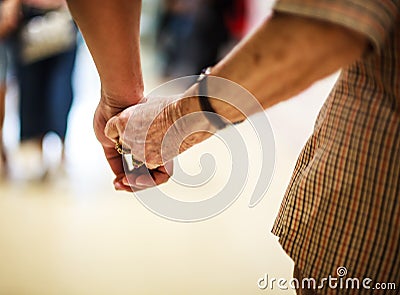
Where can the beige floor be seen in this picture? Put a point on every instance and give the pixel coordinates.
(77, 236)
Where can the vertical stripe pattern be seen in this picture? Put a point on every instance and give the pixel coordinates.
(342, 206)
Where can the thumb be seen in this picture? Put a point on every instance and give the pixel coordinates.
(111, 130)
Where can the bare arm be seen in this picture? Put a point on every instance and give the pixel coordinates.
(111, 30)
(283, 57)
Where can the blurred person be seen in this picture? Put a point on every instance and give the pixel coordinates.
(175, 25)
(218, 25)
(45, 50)
(342, 205)
(186, 26)
(9, 15)
(3, 73)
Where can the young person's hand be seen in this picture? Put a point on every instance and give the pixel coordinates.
(106, 109)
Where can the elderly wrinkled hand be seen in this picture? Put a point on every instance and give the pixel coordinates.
(158, 129)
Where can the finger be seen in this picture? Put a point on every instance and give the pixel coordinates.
(143, 100)
(114, 159)
(130, 179)
(111, 130)
(160, 177)
(152, 177)
(168, 168)
(152, 166)
(145, 180)
(120, 186)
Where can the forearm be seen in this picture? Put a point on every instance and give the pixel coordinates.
(111, 31)
(285, 56)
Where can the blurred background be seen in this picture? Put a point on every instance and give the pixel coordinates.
(63, 229)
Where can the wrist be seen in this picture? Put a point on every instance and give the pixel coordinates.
(226, 110)
(120, 99)
(217, 101)
(193, 124)
(219, 93)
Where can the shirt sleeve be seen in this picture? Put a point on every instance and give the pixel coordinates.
(373, 18)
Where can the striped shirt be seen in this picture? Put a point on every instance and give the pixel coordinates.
(342, 206)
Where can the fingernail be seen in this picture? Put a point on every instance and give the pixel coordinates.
(125, 181)
(118, 186)
(144, 181)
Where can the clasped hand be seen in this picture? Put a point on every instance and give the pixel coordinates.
(155, 131)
